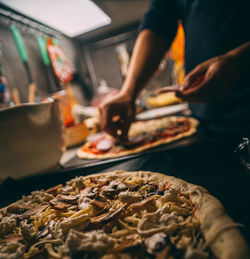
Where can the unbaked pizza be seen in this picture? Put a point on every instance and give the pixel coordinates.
(120, 215)
(142, 135)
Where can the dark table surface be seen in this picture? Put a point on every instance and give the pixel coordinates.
(210, 163)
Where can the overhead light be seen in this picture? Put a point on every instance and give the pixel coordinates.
(71, 17)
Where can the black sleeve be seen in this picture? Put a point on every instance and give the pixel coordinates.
(162, 18)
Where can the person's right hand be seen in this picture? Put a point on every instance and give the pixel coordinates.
(116, 115)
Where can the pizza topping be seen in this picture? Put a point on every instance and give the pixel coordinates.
(109, 216)
(67, 189)
(54, 190)
(158, 221)
(130, 197)
(19, 208)
(156, 242)
(105, 144)
(90, 192)
(128, 216)
(33, 211)
(141, 135)
(165, 253)
(12, 250)
(58, 205)
(134, 141)
(43, 234)
(38, 197)
(128, 245)
(95, 241)
(95, 138)
(79, 184)
(146, 203)
(8, 224)
(101, 203)
(13, 237)
(28, 231)
(81, 222)
(67, 198)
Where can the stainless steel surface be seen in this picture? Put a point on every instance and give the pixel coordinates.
(31, 139)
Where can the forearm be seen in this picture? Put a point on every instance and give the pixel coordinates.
(148, 52)
(241, 55)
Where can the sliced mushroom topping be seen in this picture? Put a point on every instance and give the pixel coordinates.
(67, 198)
(79, 184)
(90, 192)
(19, 208)
(54, 190)
(104, 218)
(34, 211)
(156, 242)
(114, 188)
(67, 189)
(58, 205)
(141, 204)
(101, 203)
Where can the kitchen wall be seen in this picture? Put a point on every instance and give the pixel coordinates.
(103, 63)
(14, 70)
(91, 61)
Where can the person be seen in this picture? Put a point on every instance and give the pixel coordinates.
(217, 49)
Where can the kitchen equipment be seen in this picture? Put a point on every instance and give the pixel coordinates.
(24, 57)
(75, 132)
(61, 68)
(32, 139)
(42, 45)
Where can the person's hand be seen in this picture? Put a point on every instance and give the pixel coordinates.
(211, 80)
(116, 115)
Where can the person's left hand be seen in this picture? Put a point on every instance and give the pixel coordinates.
(211, 80)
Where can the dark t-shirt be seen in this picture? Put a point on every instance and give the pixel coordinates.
(212, 28)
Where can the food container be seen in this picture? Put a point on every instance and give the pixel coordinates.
(32, 138)
(76, 134)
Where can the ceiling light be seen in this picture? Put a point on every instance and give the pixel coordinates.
(71, 17)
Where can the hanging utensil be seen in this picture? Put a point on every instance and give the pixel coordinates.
(24, 57)
(53, 83)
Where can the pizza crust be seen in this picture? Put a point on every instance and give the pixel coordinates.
(220, 232)
(192, 130)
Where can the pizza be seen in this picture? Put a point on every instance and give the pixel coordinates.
(142, 135)
(120, 214)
